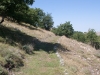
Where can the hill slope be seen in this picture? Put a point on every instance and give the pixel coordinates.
(77, 58)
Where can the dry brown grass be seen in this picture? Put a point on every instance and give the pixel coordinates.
(80, 55)
(79, 58)
(41, 63)
(31, 30)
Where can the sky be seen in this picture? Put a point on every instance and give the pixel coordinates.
(82, 14)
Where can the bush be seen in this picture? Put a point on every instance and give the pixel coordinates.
(13, 61)
(3, 71)
(10, 58)
(28, 49)
(79, 36)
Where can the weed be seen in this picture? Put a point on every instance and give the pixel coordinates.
(28, 48)
(3, 71)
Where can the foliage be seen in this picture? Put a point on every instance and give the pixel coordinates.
(79, 36)
(91, 36)
(47, 22)
(3, 71)
(39, 14)
(54, 30)
(38, 18)
(14, 61)
(32, 16)
(64, 29)
(28, 48)
(12, 8)
(19, 11)
(10, 57)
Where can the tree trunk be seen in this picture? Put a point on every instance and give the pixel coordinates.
(2, 20)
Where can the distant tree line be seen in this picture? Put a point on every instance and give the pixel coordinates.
(89, 37)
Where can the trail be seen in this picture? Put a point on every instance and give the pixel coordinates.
(61, 60)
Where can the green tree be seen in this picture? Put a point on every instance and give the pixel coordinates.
(64, 29)
(34, 16)
(54, 30)
(31, 17)
(47, 22)
(11, 7)
(79, 36)
(38, 17)
(92, 37)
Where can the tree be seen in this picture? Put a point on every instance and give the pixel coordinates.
(79, 36)
(47, 22)
(38, 17)
(55, 30)
(34, 16)
(64, 29)
(31, 17)
(92, 37)
(11, 7)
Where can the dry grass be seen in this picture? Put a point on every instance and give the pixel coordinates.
(79, 58)
(40, 34)
(41, 64)
(10, 54)
(97, 54)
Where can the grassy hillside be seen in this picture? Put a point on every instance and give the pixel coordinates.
(26, 50)
(35, 48)
(79, 58)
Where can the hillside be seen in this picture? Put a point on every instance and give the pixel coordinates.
(79, 58)
(52, 55)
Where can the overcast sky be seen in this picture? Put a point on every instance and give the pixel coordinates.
(83, 14)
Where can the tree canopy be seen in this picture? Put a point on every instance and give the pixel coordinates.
(79, 36)
(11, 7)
(64, 29)
(92, 36)
(47, 22)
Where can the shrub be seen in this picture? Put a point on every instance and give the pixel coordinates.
(28, 49)
(79, 36)
(13, 61)
(3, 71)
